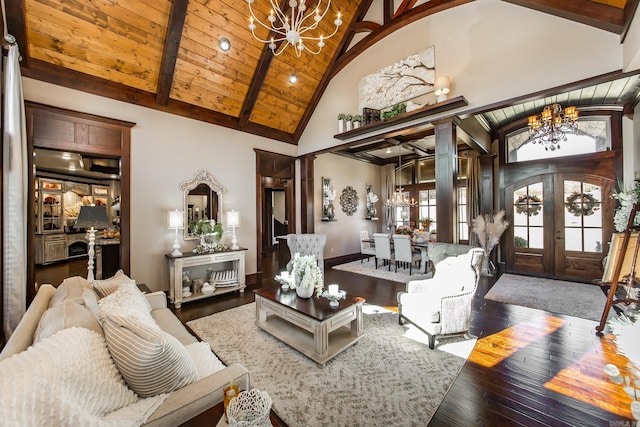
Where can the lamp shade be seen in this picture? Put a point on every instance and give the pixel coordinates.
(93, 216)
(176, 219)
(233, 218)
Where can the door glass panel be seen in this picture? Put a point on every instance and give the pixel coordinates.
(527, 212)
(582, 216)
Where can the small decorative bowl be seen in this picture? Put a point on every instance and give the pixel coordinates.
(334, 298)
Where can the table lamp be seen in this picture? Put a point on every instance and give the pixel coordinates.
(92, 217)
(176, 222)
(233, 221)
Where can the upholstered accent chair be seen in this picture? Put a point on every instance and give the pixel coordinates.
(441, 305)
(366, 247)
(384, 252)
(404, 252)
(307, 244)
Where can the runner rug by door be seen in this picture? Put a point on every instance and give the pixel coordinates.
(555, 296)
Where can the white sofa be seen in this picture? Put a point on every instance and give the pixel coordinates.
(181, 404)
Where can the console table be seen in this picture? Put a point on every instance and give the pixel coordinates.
(200, 266)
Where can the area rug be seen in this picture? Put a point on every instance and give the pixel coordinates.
(555, 296)
(386, 379)
(368, 268)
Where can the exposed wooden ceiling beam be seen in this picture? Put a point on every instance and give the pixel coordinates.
(262, 68)
(599, 15)
(326, 77)
(65, 77)
(175, 28)
(412, 15)
(17, 28)
(404, 6)
(629, 12)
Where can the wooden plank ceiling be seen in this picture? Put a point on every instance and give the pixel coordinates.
(164, 54)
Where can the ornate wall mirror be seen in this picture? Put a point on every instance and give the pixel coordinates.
(202, 200)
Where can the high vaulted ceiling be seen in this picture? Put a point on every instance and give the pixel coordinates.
(164, 54)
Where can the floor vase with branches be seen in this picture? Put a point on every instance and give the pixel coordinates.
(489, 228)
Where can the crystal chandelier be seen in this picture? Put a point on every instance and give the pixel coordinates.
(292, 30)
(550, 126)
(399, 199)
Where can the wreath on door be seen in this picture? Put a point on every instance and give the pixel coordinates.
(582, 204)
(528, 205)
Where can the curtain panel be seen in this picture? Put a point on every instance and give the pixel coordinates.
(14, 194)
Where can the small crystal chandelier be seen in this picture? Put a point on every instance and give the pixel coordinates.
(399, 199)
(292, 29)
(550, 126)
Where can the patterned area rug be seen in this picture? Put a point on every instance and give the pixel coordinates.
(555, 296)
(389, 378)
(368, 268)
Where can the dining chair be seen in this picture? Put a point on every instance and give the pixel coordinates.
(366, 247)
(383, 248)
(404, 252)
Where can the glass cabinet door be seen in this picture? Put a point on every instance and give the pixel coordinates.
(51, 206)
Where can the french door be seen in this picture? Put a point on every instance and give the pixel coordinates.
(560, 225)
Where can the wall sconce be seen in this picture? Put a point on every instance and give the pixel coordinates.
(442, 87)
(233, 221)
(176, 222)
(92, 217)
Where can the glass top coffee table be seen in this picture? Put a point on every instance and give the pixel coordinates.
(310, 325)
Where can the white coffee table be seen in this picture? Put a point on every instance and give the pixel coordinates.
(309, 325)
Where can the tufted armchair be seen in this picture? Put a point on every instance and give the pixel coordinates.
(441, 305)
(307, 244)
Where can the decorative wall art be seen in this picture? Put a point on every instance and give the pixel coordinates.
(372, 199)
(349, 200)
(328, 196)
(404, 80)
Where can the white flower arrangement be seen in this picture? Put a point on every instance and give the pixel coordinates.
(306, 272)
(626, 198)
(372, 198)
(331, 194)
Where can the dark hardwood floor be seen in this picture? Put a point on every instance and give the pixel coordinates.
(529, 367)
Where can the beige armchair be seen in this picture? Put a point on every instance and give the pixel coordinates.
(441, 305)
(307, 244)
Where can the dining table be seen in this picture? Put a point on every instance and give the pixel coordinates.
(420, 244)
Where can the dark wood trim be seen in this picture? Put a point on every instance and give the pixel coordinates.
(420, 113)
(605, 17)
(629, 12)
(17, 27)
(326, 77)
(175, 29)
(307, 220)
(387, 11)
(405, 6)
(123, 152)
(60, 76)
(446, 182)
(412, 15)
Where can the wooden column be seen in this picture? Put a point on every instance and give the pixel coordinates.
(446, 182)
(486, 183)
(307, 222)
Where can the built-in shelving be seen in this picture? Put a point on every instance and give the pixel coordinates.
(424, 112)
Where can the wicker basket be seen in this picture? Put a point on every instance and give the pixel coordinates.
(250, 409)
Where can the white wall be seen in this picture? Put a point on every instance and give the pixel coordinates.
(491, 50)
(166, 150)
(343, 235)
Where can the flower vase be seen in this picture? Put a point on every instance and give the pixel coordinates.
(304, 291)
(340, 126)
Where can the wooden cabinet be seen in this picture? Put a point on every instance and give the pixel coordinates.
(50, 205)
(217, 265)
(55, 248)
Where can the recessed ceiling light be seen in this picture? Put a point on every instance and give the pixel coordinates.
(224, 44)
(293, 78)
(66, 156)
(388, 151)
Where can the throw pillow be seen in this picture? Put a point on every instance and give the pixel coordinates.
(77, 289)
(150, 360)
(126, 300)
(65, 315)
(110, 285)
(206, 362)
